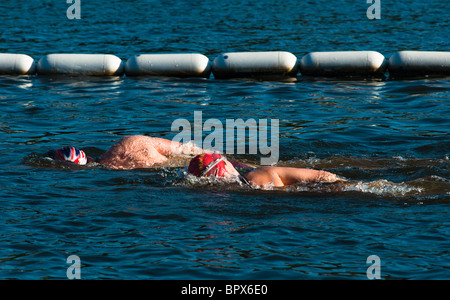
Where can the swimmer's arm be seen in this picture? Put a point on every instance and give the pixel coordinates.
(294, 175)
(170, 148)
(280, 176)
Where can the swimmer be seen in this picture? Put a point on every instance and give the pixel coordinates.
(139, 151)
(215, 164)
(132, 152)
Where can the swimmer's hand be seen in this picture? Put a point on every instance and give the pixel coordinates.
(329, 177)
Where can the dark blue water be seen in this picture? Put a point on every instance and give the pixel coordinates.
(390, 138)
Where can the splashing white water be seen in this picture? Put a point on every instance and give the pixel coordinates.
(383, 187)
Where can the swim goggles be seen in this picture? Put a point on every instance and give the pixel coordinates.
(211, 166)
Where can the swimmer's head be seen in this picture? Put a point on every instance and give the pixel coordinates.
(204, 165)
(71, 154)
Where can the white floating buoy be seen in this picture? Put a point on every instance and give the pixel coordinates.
(249, 64)
(80, 64)
(179, 65)
(413, 63)
(16, 64)
(343, 63)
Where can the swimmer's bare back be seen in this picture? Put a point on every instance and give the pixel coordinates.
(139, 151)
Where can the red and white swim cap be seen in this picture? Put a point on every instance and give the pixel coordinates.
(207, 164)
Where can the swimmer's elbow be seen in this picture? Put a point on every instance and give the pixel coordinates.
(263, 176)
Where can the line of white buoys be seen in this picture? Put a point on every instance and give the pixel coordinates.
(234, 64)
(244, 64)
(343, 63)
(80, 64)
(179, 65)
(418, 63)
(16, 64)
